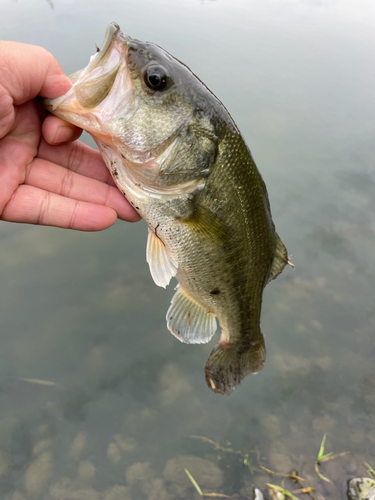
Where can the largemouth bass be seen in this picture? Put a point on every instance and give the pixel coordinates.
(178, 157)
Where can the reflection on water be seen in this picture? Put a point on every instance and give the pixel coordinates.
(80, 310)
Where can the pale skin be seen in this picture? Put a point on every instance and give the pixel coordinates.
(47, 177)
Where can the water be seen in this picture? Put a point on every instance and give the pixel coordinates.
(81, 312)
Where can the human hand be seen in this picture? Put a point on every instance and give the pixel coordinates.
(45, 178)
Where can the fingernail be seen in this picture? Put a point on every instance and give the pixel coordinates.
(63, 134)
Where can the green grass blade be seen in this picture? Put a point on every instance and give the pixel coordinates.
(321, 449)
(369, 469)
(196, 485)
(323, 477)
(283, 491)
(320, 474)
(324, 457)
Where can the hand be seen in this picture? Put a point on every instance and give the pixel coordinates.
(45, 178)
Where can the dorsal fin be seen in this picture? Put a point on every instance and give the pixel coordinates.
(280, 260)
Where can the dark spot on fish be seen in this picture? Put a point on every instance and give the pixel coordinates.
(114, 172)
(189, 316)
(137, 208)
(123, 156)
(215, 292)
(131, 202)
(97, 48)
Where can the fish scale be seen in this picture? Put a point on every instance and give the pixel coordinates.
(236, 171)
(176, 154)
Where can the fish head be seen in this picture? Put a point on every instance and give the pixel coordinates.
(136, 98)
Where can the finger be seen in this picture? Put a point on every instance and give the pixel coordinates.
(48, 176)
(17, 150)
(28, 71)
(57, 131)
(78, 157)
(31, 205)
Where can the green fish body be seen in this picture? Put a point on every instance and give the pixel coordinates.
(178, 157)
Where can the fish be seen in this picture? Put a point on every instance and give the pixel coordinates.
(176, 154)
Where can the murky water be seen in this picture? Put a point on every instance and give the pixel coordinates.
(81, 311)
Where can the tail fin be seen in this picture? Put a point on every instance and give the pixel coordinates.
(227, 366)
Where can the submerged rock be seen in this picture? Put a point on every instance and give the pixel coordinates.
(78, 445)
(205, 473)
(18, 496)
(173, 385)
(258, 495)
(126, 444)
(280, 462)
(86, 473)
(117, 493)
(113, 453)
(65, 490)
(276, 495)
(361, 488)
(159, 491)
(140, 476)
(42, 446)
(38, 473)
(118, 446)
(271, 426)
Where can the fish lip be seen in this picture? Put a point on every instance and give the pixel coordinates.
(113, 31)
(114, 37)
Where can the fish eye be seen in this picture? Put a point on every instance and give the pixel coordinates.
(156, 78)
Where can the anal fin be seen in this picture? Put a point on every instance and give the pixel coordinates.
(188, 321)
(162, 267)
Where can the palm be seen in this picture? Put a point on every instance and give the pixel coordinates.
(66, 185)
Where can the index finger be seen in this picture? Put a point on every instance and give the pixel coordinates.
(29, 70)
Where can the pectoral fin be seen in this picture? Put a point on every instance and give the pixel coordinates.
(162, 267)
(188, 321)
(207, 226)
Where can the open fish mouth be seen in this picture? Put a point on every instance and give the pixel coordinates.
(97, 86)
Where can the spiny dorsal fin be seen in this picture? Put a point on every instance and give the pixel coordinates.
(188, 321)
(280, 260)
(162, 267)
